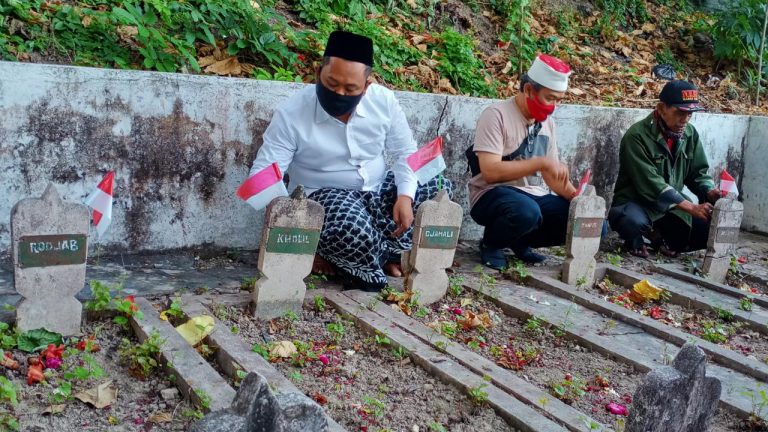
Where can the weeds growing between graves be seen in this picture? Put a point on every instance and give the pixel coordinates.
(142, 357)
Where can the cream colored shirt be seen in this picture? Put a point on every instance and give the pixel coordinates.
(501, 129)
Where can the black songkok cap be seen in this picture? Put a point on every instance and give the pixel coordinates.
(350, 46)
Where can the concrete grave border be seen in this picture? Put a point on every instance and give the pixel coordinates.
(678, 273)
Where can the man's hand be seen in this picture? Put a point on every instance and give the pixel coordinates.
(713, 195)
(402, 213)
(553, 171)
(701, 211)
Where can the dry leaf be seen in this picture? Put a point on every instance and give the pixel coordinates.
(86, 21)
(649, 27)
(127, 33)
(228, 66)
(445, 85)
(206, 61)
(283, 349)
(640, 90)
(417, 39)
(54, 409)
(575, 91)
(100, 396)
(255, 5)
(507, 67)
(161, 417)
(422, 47)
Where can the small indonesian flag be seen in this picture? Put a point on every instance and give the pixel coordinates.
(264, 186)
(427, 162)
(584, 182)
(100, 200)
(728, 184)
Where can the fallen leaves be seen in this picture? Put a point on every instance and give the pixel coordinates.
(101, 396)
(35, 371)
(54, 409)
(469, 320)
(161, 417)
(283, 349)
(8, 361)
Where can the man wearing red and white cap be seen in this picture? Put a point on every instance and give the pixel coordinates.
(520, 191)
(660, 155)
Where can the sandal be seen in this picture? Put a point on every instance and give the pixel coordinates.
(641, 252)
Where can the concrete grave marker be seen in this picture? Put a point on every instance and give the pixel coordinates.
(680, 398)
(723, 236)
(288, 243)
(585, 226)
(50, 245)
(435, 236)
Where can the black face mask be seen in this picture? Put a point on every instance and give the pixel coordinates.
(334, 104)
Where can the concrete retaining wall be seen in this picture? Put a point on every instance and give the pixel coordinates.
(181, 144)
(754, 185)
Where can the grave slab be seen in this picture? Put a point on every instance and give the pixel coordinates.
(192, 371)
(677, 398)
(290, 235)
(435, 236)
(678, 272)
(515, 412)
(50, 247)
(585, 226)
(604, 332)
(723, 237)
(521, 389)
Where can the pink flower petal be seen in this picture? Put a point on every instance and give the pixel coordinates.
(323, 359)
(618, 409)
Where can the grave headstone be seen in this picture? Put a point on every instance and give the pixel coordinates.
(723, 237)
(289, 240)
(50, 245)
(677, 398)
(256, 409)
(585, 226)
(435, 236)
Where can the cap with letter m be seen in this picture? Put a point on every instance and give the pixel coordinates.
(681, 95)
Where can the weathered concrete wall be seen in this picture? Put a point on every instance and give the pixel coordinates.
(754, 186)
(181, 144)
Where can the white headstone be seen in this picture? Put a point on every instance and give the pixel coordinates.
(723, 237)
(50, 245)
(435, 236)
(289, 240)
(585, 226)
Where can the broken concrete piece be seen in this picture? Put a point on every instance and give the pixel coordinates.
(256, 409)
(585, 226)
(289, 240)
(723, 236)
(435, 236)
(50, 246)
(680, 398)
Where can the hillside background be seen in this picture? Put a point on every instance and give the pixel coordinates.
(468, 47)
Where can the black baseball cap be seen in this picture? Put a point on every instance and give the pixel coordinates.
(681, 95)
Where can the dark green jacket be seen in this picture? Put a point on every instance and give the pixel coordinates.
(652, 177)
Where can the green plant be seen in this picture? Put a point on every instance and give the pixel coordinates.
(623, 12)
(519, 270)
(142, 357)
(581, 281)
(382, 339)
(62, 393)
(320, 305)
(477, 394)
(455, 283)
(374, 406)
(336, 329)
(486, 281)
(295, 376)
(745, 303)
(174, 310)
(441, 346)
(303, 354)
(8, 337)
(448, 329)
(613, 259)
(204, 399)
(533, 325)
(667, 57)
(234, 329)
(87, 368)
(759, 400)
(436, 427)
(714, 332)
(400, 352)
(313, 278)
(723, 314)
(291, 316)
(248, 283)
(457, 61)
(421, 312)
(8, 391)
(102, 298)
(737, 34)
(127, 308)
(261, 349)
(569, 390)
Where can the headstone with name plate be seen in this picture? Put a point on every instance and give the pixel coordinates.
(585, 226)
(50, 245)
(289, 240)
(723, 237)
(435, 236)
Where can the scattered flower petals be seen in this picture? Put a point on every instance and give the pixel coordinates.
(52, 363)
(742, 260)
(618, 409)
(323, 359)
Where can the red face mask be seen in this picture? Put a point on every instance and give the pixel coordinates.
(539, 110)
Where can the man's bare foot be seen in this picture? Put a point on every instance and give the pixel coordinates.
(393, 269)
(323, 267)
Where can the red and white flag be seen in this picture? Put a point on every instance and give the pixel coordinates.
(427, 162)
(728, 184)
(100, 200)
(264, 186)
(584, 182)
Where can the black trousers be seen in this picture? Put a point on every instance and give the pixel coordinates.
(632, 223)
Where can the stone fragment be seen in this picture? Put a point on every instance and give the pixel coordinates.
(677, 398)
(168, 394)
(585, 226)
(289, 240)
(256, 409)
(435, 236)
(723, 236)
(50, 246)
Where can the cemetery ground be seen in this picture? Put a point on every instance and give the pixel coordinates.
(517, 350)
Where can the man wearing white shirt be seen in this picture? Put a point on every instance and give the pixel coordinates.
(331, 138)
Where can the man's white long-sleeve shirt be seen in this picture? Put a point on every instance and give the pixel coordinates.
(319, 151)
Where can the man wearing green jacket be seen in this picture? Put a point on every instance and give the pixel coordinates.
(659, 155)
